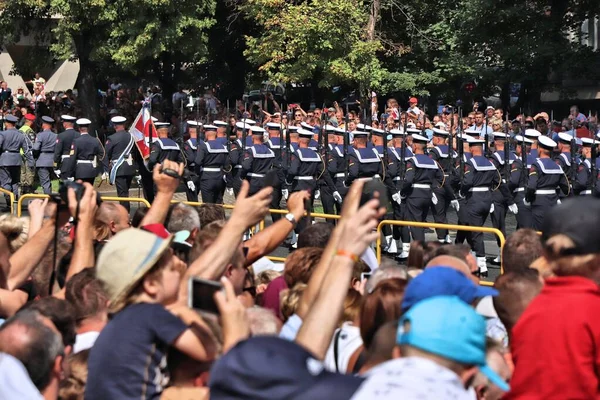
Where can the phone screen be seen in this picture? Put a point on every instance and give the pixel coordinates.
(201, 295)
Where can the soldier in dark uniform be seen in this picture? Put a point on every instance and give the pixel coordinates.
(502, 197)
(545, 175)
(221, 131)
(363, 161)
(119, 146)
(289, 149)
(11, 143)
(583, 185)
(400, 234)
(312, 144)
(43, 151)
(519, 175)
(190, 149)
(236, 153)
(422, 173)
(62, 151)
(533, 135)
(443, 156)
(565, 158)
(258, 160)
(87, 153)
(276, 143)
(337, 167)
(305, 170)
(328, 200)
(212, 162)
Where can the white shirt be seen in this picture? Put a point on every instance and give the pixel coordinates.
(412, 378)
(85, 341)
(15, 382)
(348, 341)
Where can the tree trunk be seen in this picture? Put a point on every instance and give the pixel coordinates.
(86, 81)
(375, 8)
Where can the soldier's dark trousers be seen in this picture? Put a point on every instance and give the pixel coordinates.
(147, 184)
(400, 232)
(499, 218)
(123, 183)
(276, 197)
(343, 191)
(524, 216)
(440, 211)
(461, 236)
(10, 177)
(44, 175)
(192, 195)
(212, 190)
(417, 206)
(477, 208)
(328, 202)
(539, 208)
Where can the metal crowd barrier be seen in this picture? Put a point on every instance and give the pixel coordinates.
(434, 225)
(104, 198)
(12, 199)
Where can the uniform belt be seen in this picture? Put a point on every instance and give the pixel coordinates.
(421, 186)
(479, 189)
(65, 156)
(521, 189)
(446, 175)
(304, 178)
(397, 178)
(211, 169)
(85, 162)
(340, 175)
(237, 167)
(589, 191)
(253, 175)
(546, 191)
(11, 151)
(376, 176)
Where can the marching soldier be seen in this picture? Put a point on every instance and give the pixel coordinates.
(190, 149)
(400, 234)
(480, 177)
(328, 196)
(12, 142)
(43, 151)
(533, 135)
(87, 151)
(545, 175)
(212, 162)
(289, 149)
(62, 151)
(120, 161)
(258, 160)
(363, 161)
(502, 198)
(277, 146)
(422, 173)
(28, 169)
(236, 152)
(442, 155)
(337, 167)
(565, 158)
(221, 131)
(306, 168)
(519, 175)
(583, 185)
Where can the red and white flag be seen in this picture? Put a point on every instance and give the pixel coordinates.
(142, 129)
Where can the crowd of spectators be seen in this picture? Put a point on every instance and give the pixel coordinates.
(98, 306)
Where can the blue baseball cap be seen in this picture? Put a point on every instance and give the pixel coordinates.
(447, 327)
(443, 281)
(269, 367)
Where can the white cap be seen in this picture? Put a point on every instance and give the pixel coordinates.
(413, 131)
(339, 131)
(210, 128)
(564, 137)
(273, 125)
(359, 133)
(472, 131)
(329, 128)
(293, 128)
(154, 119)
(362, 127)
(410, 125)
(420, 138)
(217, 122)
(397, 132)
(305, 133)
(257, 130)
(546, 142)
(489, 108)
(162, 124)
(249, 121)
(440, 125)
(589, 141)
(532, 133)
(193, 123)
(500, 135)
(377, 132)
(240, 125)
(519, 139)
(466, 138)
(440, 132)
(306, 126)
(83, 122)
(68, 118)
(118, 119)
(476, 141)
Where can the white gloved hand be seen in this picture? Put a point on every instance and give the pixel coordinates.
(558, 201)
(396, 197)
(104, 176)
(434, 198)
(285, 193)
(492, 208)
(317, 194)
(513, 209)
(71, 179)
(57, 173)
(229, 191)
(191, 186)
(225, 178)
(455, 204)
(138, 179)
(526, 203)
(337, 197)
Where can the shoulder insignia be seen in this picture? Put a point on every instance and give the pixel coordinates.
(580, 168)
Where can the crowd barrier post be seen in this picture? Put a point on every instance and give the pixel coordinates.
(27, 196)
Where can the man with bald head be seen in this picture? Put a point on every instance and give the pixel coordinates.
(111, 218)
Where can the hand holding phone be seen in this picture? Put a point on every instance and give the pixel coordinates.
(202, 295)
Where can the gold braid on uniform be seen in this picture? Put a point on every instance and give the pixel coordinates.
(323, 171)
(568, 183)
(443, 173)
(499, 181)
(102, 147)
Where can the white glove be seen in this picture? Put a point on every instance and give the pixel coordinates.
(57, 173)
(526, 203)
(396, 197)
(434, 198)
(558, 201)
(513, 209)
(71, 179)
(138, 179)
(492, 209)
(225, 178)
(191, 186)
(455, 204)
(104, 176)
(317, 194)
(285, 193)
(229, 191)
(337, 197)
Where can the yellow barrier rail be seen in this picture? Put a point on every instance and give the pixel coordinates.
(12, 199)
(104, 198)
(434, 225)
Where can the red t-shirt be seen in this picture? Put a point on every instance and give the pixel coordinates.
(555, 344)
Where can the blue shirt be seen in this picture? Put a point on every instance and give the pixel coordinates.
(128, 360)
